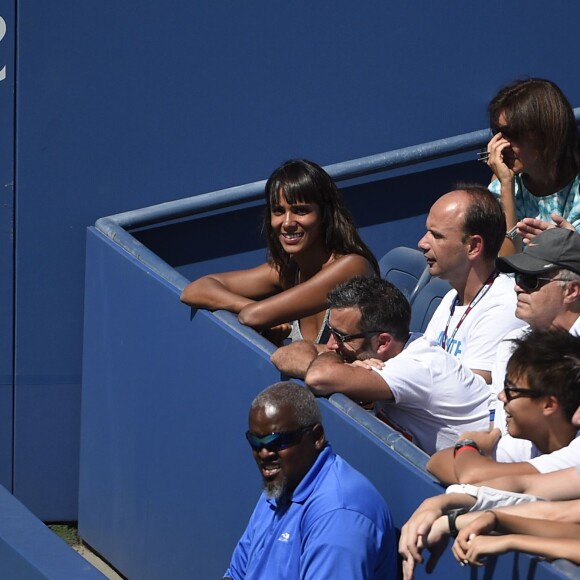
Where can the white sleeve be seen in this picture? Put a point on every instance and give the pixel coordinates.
(568, 456)
(487, 498)
(409, 381)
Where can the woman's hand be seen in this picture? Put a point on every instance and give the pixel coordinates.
(529, 228)
(482, 546)
(277, 334)
(497, 146)
(484, 524)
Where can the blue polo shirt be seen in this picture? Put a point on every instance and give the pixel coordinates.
(336, 525)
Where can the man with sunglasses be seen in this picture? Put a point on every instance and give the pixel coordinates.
(465, 231)
(318, 517)
(418, 388)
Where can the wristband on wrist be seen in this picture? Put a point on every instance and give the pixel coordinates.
(456, 452)
(451, 520)
(464, 444)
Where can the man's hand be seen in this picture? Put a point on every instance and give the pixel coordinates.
(416, 531)
(425, 529)
(368, 363)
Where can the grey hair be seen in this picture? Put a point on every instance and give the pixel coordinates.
(567, 276)
(306, 411)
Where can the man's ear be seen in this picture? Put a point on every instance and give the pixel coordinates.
(475, 246)
(384, 340)
(319, 437)
(572, 292)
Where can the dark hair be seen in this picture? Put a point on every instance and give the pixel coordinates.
(485, 217)
(304, 181)
(550, 361)
(382, 305)
(538, 110)
(306, 411)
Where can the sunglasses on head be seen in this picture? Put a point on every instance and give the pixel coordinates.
(276, 441)
(342, 338)
(510, 391)
(531, 282)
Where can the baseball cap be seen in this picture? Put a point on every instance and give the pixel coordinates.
(552, 249)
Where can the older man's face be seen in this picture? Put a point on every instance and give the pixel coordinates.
(539, 307)
(284, 469)
(346, 321)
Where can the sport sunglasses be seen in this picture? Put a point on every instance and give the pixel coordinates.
(276, 441)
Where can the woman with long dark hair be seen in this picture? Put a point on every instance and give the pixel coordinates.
(534, 155)
(313, 245)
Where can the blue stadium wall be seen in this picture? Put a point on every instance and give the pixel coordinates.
(109, 106)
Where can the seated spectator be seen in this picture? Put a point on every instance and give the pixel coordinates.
(465, 230)
(547, 277)
(318, 517)
(418, 388)
(541, 394)
(313, 245)
(534, 155)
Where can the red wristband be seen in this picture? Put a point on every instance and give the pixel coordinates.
(464, 448)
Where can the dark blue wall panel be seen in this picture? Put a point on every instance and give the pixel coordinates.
(7, 84)
(125, 104)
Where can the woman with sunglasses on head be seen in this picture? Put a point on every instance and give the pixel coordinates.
(534, 157)
(313, 245)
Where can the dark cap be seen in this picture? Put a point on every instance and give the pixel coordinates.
(551, 250)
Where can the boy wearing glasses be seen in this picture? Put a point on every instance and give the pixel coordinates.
(540, 396)
(318, 517)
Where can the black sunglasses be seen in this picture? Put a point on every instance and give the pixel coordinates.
(342, 338)
(510, 391)
(276, 441)
(531, 282)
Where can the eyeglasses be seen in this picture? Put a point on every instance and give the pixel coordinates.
(510, 391)
(342, 338)
(531, 282)
(276, 441)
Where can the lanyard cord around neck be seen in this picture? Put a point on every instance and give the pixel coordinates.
(476, 299)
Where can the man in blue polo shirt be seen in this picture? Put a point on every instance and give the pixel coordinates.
(318, 517)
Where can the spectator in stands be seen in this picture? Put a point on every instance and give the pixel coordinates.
(541, 393)
(553, 257)
(318, 517)
(521, 486)
(313, 245)
(534, 155)
(418, 388)
(548, 292)
(465, 230)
